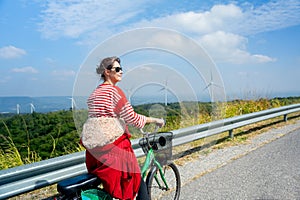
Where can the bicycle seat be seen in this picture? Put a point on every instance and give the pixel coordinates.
(77, 184)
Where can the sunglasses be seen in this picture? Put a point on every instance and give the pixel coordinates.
(117, 69)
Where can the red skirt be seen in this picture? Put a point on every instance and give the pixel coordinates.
(117, 167)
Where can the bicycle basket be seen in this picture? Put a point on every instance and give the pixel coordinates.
(161, 144)
(95, 194)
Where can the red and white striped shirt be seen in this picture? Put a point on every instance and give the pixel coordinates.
(110, 101)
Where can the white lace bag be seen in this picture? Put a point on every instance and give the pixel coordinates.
(100, 131)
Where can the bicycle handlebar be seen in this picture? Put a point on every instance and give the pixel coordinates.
(146, 134)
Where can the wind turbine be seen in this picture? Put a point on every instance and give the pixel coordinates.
(165, 88)
(210, 84)
(32, 108)
(73, 104)
(18, 109)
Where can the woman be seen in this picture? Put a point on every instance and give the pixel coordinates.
(115, 164)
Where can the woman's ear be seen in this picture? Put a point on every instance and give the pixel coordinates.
(106, 72)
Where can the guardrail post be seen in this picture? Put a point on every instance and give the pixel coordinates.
(285, 118)
(231, 133)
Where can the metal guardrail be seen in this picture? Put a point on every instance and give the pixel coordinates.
(33, 176)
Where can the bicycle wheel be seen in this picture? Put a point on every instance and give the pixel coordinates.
(156, 187)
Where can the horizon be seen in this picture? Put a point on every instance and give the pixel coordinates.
(64, 103)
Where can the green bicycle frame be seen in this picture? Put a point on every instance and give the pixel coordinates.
(150, 158)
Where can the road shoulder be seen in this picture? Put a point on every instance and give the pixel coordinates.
(204, 163)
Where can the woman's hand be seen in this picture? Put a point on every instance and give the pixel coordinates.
(157, 121)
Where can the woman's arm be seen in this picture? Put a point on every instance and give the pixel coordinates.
(157, 121)
(125, 111)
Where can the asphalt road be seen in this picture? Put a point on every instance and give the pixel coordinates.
(271, 171)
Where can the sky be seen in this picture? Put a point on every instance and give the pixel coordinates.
(251, 49)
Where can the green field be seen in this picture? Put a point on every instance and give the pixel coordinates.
(28, 138)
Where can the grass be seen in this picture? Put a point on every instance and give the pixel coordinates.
(11, 156)
(191, 151)
(243, 135)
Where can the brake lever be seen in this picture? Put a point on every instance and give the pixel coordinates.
(146, 134)
(156, 129)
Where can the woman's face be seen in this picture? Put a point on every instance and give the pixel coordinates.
(115, 73)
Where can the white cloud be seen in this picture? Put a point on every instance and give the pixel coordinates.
(244, 20)
(10, 52)
(228, 47)
(218, 18)
(222, 30)
(74, 18)
(273, 15)
(219, 30)
(25, 70)
(263, 59)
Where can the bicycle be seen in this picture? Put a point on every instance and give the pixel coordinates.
(159, 172)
